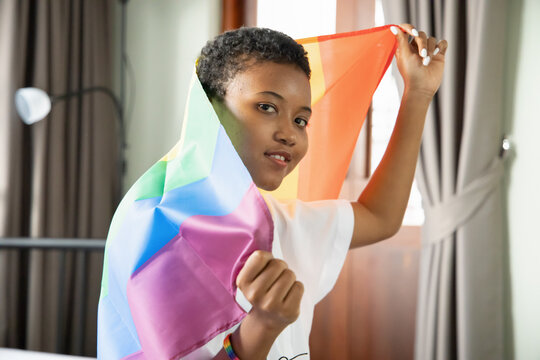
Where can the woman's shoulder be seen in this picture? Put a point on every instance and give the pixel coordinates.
(295, 209)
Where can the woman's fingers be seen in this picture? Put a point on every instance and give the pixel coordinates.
(441, 46)
(419, 38)
(271, 287)
(421, 42)
(431, 44)
(409, 29)
(426, 46)
(281, 287)
(294, 296)
(420, 60)
(270, 274)
(402, 38)
(254, 265)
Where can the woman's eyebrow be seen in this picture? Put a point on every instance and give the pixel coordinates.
(307, 108)
(276, 95)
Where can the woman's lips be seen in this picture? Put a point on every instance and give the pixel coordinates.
(277, 159)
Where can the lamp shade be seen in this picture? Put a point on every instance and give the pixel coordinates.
(32, 104)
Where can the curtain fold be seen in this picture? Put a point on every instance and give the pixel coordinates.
(461, 303)
(58, 175)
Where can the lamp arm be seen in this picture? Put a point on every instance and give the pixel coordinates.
(121, 135)
(114, 98)
(118, 103)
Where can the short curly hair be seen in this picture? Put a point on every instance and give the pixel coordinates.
(235, 51)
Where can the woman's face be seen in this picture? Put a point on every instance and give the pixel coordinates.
(265, 112)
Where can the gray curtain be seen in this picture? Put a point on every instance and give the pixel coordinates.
(461, 300)
(58, 177)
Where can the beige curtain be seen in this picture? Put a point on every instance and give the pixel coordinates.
(461, 301)
(57, 177)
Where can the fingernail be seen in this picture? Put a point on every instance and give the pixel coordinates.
(394, 30)
(423, 53)
(414, 32)
(436, 51)
(426, 61)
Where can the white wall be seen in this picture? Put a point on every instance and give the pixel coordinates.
(164, 38)
(523, 112)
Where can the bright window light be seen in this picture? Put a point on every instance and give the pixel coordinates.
(386, 101)
(298, 18)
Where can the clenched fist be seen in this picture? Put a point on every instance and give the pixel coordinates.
(272, 289)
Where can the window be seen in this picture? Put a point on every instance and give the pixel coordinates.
(298, 18)
(385, 107)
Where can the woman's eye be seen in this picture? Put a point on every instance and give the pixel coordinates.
(301, 122)
(267, 108)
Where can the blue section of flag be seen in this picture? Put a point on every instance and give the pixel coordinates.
(115, 339)
(149, 225)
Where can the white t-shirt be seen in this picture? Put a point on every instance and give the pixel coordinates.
(313, 239)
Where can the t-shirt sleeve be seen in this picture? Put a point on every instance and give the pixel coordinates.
(314, 238)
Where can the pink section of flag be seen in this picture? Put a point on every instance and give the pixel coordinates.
(165, 295)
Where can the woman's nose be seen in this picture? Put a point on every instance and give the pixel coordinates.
(285, 133)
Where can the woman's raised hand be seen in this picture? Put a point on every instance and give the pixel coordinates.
(421, 61)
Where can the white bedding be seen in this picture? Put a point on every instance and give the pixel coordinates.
(17, 354)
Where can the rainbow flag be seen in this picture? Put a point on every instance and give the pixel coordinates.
(184, 230)
(346, 69)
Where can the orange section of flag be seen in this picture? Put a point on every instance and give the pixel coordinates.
(353, 65)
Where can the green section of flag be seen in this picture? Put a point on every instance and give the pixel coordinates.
(193, 162)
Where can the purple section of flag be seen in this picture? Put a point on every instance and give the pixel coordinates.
(170, 295)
